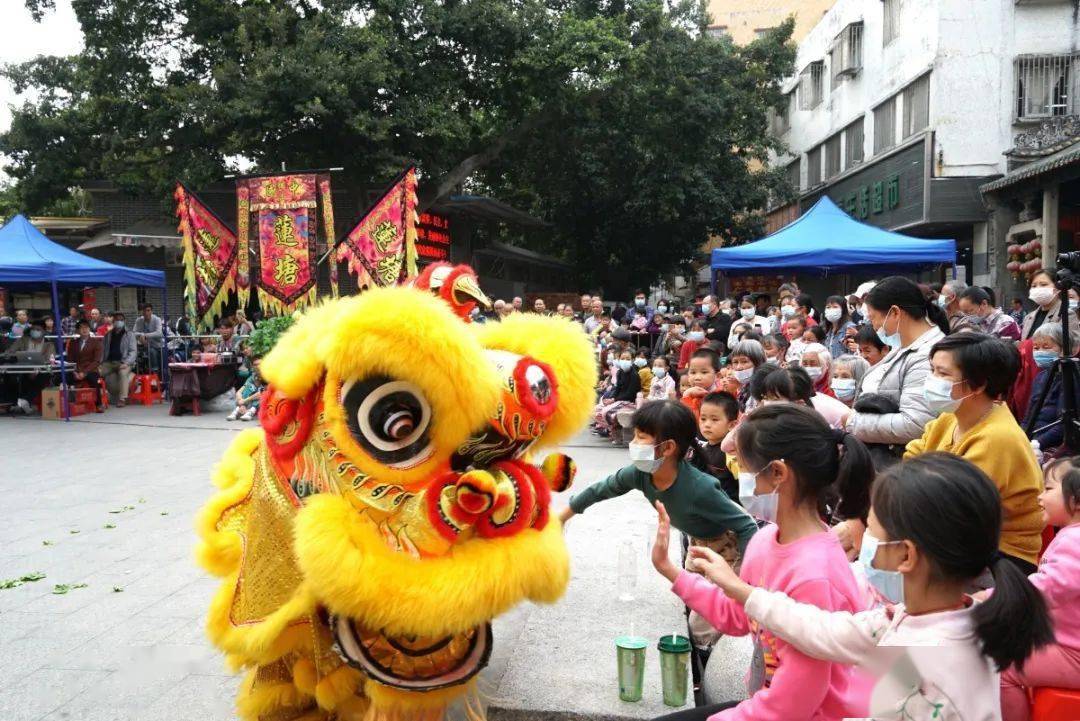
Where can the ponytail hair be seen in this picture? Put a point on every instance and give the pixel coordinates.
(668, 420)
(959, 539)
(831, 467)
(906, 294)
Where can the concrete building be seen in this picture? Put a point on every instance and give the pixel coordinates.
(907, 112)
(745, 20)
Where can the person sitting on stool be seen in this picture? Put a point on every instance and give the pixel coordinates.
(85, 353)
(118, 353)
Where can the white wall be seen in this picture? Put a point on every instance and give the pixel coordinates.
(970, 45)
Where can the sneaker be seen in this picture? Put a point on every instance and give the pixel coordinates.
(249, 416)
(234, 415)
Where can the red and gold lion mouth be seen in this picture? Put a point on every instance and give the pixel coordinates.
(413, 663)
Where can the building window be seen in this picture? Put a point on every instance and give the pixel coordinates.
(793, 173)
(853, 144)
(1045, 86)
(845, 57)
(813, 167)
(811, 85)
(916, 106)
(890, 26)
(885, 125)
(718, 31)
(833, 156)
(780, 116)
(761, 32)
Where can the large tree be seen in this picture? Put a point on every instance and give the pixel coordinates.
(538, 100)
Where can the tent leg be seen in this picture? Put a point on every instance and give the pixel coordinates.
(165, 341)
(60, 350)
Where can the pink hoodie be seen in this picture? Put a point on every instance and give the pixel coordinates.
(1058, 579)
(786, 685)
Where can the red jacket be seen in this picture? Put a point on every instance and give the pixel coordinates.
(88, 359)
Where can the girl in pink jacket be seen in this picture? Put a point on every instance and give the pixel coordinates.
(793, 466)
(1058, 579)
(932, 529)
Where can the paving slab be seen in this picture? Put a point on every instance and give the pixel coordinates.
(98, 653)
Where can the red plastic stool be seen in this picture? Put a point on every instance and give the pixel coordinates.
(145, 388)
(1056, 704)
(102, 386)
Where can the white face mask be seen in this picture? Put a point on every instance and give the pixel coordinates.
(661, 309)
(833, 314)
(743, 376)
(748, 313)
(814, 372)
(625, 365)
(659, 372)
(1042, 295)
(640, 362)
(644, 457)
(759, 506)
(844, 388)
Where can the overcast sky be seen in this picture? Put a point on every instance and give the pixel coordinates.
(21, 39)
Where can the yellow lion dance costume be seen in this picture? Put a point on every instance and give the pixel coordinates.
(386, 511)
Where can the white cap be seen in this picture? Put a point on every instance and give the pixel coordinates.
(865, 288)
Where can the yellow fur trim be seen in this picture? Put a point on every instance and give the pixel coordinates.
(237, 464)
(336, 686)
(563, 346)
(354, 708)
(305, 675)
(255, 702)
(477, 581)
(219, 551)
(402, 333)
(263, 642)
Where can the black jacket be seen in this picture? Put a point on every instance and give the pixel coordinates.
(718, 327)
(627, 385)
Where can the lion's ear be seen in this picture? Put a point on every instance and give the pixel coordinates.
(287, 421)
(294, 367)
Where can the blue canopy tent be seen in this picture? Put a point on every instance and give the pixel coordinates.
(827, 240)
(28, 258)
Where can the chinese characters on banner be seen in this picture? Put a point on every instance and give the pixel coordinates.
(286, 219)
(756, 283)
(873, 198)
(210, 257)
(381, 249)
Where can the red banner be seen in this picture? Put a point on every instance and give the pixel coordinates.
(381, 249)
(210, 251)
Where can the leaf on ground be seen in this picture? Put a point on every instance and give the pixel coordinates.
(16, 582)
(73, 531)
(122, 509)
(61, 588)
(164, 513)
(142, 500)
(110, 525)
(117, 589)
(47, 543)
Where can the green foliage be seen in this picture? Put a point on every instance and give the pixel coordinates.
(618, 121)
(266, 334)
(16, 582)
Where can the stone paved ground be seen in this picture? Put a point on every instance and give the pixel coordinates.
(130, 644)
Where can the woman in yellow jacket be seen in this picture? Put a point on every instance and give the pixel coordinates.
(969, 374)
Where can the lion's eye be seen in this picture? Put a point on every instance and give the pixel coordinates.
(389, 418)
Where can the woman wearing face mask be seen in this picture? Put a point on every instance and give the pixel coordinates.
(909, 324)
(1044, 294)
(921, 563)
(816, 361)
(664, 433)
(746, 356)
(748, 315)
(1047, 344)
(970, 374)
(791, 485)
(837, 324)
(847, 371)
(626, 388)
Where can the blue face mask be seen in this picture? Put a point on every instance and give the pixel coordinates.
(1045, 358)
(696, 335)
(706, 309)
(938, 395)
(890, 339)
(889, 584)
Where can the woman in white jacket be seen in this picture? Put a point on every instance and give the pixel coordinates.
(934, 527)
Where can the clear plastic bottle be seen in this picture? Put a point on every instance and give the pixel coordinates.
(627, 571)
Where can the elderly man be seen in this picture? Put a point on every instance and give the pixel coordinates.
(95, 320)
(567, 311)
(539, 307)
(979, 313)
(717, 323)
(949, 300)
(118, 359)
(148, 334)
(518, 303)
(586, 307)
(21, 325)
(593, 322)
(85, 352)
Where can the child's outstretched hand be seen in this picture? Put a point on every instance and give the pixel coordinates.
(660, 558)
(712, 566)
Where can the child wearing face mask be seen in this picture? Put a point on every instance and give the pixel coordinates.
(664, 384)
(624, 393)
(665, 432)
(939, 650)
(695, 339)
(645, 374)
(790, 484)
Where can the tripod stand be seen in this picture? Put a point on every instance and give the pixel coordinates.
(1068, 368)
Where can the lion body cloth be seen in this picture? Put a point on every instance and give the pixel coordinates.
(388, 509)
